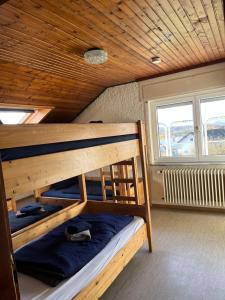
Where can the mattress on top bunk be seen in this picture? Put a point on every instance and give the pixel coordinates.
(43, 149)
(70, 189)
(19, 223)
(33, 289)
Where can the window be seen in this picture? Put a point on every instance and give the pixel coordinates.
(176, 130)
(188, 129)
(14, 116)
(213, 126)
(11, 115)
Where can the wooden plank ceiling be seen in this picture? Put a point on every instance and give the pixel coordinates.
(42, 43)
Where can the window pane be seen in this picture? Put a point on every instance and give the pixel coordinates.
(213, 127)
(176, 130)
(13, 117)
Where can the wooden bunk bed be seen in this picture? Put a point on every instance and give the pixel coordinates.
(79, 149)
(121, 179)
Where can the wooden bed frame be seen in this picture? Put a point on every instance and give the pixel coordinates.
(132, 187)
(31, 173)
(11, 204)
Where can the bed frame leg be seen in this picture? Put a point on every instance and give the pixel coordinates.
(8, 281)
(142, 139)
(83, 189)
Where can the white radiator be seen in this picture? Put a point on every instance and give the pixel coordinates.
(195, 187)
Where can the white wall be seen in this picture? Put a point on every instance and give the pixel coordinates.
(115, 105)
(183, 83)
(125, 103)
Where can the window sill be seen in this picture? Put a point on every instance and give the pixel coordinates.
(189, 163)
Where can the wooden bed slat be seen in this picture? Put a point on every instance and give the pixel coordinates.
(124, 198)
(36, 134)
(116, 208)
(64, 202)
(24, 175)
(102, 281)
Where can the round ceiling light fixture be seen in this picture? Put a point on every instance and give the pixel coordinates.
(95, 56)
(156, 60)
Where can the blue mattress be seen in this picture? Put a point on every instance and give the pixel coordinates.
(62, 194)
(70, 189)
(53, 258)
(19, 223)
(43, 149)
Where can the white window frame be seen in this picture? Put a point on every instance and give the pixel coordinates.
(195, 99)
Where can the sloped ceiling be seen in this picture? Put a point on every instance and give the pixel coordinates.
(42, 43)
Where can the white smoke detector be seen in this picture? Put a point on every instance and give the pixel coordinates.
(156, 60)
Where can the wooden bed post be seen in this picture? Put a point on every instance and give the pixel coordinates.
(83, 189)
(8, 282)
(142, 139)
(103, 185)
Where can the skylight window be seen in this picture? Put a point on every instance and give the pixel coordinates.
(14, 116)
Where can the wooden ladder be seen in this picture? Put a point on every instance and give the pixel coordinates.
(125, 177)
(105, 176)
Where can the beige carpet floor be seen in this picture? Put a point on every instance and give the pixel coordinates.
(188, 261)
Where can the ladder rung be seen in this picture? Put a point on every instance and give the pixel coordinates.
(108, 187)
(124, 198)
(123, 180)
(109, 174)
(124, 163)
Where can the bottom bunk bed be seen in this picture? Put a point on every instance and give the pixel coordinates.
(117, 252)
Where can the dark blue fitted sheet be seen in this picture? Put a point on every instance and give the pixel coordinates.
(70, 189)
(53, 258)
(61, 194)
(36, 150)
(19, 223)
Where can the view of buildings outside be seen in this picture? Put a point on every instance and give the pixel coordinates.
(175, 123)
(213, 122)
(176, 129)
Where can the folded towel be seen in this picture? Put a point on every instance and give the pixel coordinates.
(30, 210)
(78, 237)
(78, 227)
(19, 222)
(79, 231)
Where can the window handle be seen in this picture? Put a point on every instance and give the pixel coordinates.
(197, 128)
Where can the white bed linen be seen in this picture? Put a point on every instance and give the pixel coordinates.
(32, 289)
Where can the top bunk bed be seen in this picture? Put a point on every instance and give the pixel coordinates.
(34, 156)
